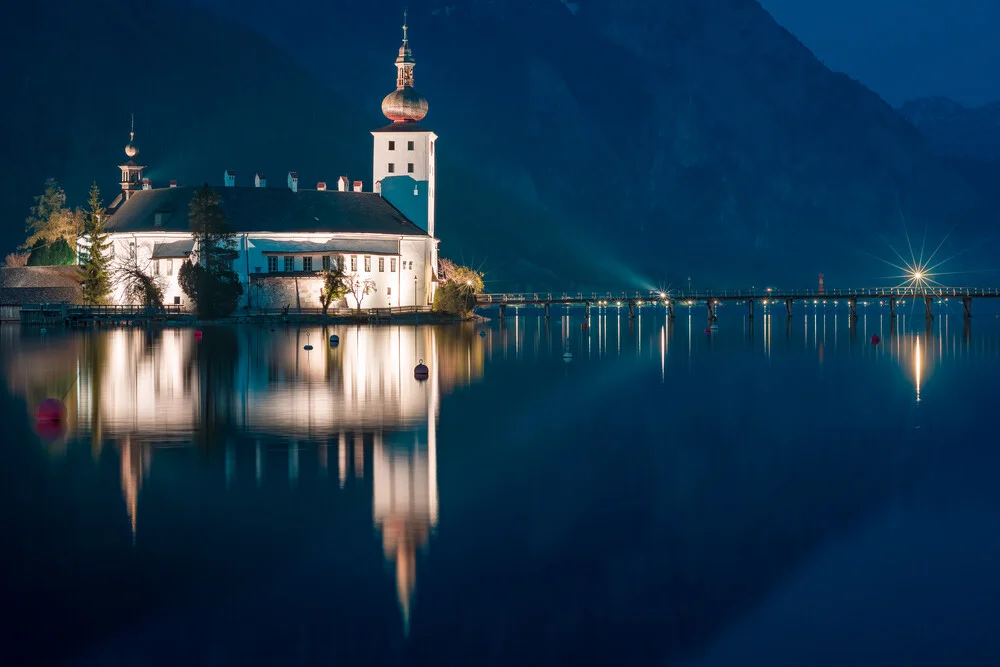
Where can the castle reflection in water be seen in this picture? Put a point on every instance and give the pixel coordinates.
(140, 391)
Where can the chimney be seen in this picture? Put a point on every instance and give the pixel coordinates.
(321, 186)
(173, 184)
(342, 184)
(230, 178)
(357, 186)
(146, 185)
(293, 181)
(259, 181)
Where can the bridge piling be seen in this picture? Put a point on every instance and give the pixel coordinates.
(788, 308)
(750, 308)
(928, 311)
(967, 306)
(503, 311)
(586, 313)
(670, 309)
(547, 305)
(631, 309)
(892, 307)
(853, 303)
(711, 311)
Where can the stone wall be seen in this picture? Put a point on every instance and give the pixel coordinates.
(292, 291)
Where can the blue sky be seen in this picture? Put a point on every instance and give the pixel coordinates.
(903, 49)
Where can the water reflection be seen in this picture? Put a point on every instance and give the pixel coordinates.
(142, 390)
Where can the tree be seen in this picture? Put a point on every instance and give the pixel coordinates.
(96, 280)
(334, 286)
(359, 287)
(456, 294)
(16, 259)
(54, 253)
(132, 278)
(211, 283)
(50, 220)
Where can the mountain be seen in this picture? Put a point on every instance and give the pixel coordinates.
(588, 144)
(955, 130)
(678, 138)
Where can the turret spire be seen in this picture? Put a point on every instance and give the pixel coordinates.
(405, 104)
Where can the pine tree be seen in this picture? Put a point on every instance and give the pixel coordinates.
(96, 280)
(211, 284)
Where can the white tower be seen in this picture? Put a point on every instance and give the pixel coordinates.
(403, 164)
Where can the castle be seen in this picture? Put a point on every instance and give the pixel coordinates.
(286, 236)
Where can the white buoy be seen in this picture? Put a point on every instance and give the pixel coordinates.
(334, 339)
(421, 371)
(44, 330)
(307, 346)
(567, 356)
(714, 327)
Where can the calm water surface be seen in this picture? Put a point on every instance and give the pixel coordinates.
(775, 494)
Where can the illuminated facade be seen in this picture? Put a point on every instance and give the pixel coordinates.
(286, 236)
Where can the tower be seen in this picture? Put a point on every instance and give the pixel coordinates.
(403, 156)
(131, 171)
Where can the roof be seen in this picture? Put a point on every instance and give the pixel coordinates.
(40, 284)
(367, 246)
(277, 210)
(173, 249)
(402, 126)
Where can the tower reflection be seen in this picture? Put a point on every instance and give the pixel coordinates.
(244, 392)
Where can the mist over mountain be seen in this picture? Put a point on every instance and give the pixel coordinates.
(583, 144)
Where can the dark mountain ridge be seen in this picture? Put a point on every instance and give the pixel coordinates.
(956, 130)
(610, 145)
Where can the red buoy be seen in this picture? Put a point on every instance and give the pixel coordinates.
(197, 333)
(50, 410)
(421, 371)
(875, 339)
(584, 325)
(708, 331)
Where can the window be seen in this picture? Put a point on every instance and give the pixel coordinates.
(256, 269)
(170, 267)
(177, 301)
(354, 262)
(289, 264)
(272, 264)
(392, 264)
(381, 264)
(156, 267)
(392, 147)
(307, 263)
(392, 168)
(432, 149)
(409, 145)
(388, 291)
(368, 263)
(409, 168)
(326, 262)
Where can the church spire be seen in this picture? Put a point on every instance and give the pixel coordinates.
(130, 150)
(404, 104)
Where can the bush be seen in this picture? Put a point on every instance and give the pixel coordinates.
(57, 253)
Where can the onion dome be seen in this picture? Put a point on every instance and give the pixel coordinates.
(130, 150)
(404, 105)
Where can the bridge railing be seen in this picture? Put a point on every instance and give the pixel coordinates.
(652, 296)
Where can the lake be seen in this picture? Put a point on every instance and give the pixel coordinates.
(776, 493)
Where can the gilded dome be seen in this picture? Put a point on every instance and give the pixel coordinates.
(130, 150)
(404, 104)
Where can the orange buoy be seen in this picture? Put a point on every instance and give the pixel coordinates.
(421, 371)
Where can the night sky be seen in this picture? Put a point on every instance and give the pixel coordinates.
(903, 49)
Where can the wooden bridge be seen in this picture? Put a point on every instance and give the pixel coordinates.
(634, 301)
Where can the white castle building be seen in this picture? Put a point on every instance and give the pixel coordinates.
(287, 235)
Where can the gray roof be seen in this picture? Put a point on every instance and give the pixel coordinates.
(337, 246)
(40, 284)
(173, 249)
(278, 210)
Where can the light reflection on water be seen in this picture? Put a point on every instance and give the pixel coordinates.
(353, 419)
